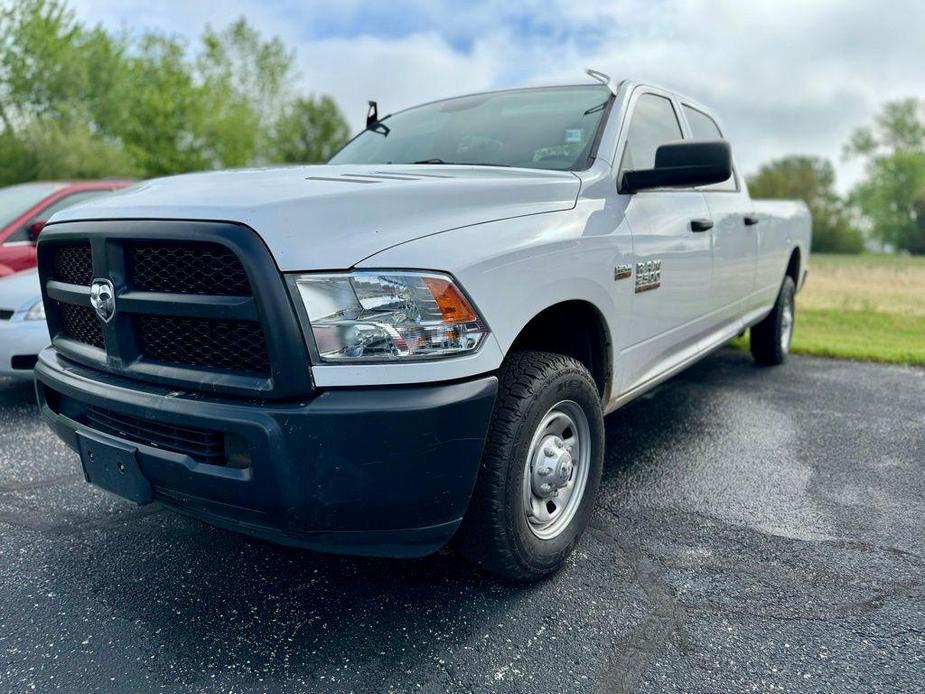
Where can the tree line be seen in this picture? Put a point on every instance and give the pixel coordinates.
(78, 101)
(887, 206)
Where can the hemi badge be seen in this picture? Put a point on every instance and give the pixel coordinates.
(621, 272)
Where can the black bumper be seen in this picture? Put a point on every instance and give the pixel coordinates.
(384, 471)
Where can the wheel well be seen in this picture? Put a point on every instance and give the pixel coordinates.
(793, 267)
(576, 329)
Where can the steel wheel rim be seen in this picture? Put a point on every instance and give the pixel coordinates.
(565, 433)
(786, 327)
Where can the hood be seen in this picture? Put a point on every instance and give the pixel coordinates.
(20, 291)
(331, 217)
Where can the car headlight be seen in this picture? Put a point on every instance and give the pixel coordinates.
(389, 316)
(37, 312)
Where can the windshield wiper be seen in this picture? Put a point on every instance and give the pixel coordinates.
(436, 160)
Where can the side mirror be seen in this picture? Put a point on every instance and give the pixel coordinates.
(697, 163)
(35, 229)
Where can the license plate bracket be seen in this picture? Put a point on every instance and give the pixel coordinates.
(114, 467)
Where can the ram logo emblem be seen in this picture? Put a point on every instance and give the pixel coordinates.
(103, 299)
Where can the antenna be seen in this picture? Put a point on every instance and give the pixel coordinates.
(372, 114)
(604, 79)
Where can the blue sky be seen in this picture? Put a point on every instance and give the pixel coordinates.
(785, 75)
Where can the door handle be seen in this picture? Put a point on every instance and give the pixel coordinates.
(701, 224)
(750, 220)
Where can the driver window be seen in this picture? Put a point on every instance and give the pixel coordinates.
(653, 123)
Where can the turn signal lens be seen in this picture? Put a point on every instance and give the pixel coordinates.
(452, 303)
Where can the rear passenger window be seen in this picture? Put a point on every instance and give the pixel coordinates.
(705, 128)
(653, 123)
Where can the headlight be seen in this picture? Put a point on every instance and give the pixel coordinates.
(389, 316)
(37, 312)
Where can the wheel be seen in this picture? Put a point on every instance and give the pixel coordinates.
(770, 339)
(540, 469)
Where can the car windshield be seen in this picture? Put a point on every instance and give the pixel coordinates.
(549, 128)
(15, 200)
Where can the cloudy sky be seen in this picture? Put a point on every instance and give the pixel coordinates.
(785, 76)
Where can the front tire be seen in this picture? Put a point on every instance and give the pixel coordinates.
(770, 339)
(540, 470)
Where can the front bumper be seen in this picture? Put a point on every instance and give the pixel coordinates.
(382, 471)
(20, 342)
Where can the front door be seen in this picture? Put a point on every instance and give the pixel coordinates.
(672, 245)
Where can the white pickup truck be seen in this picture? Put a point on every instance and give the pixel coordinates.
(417, 342)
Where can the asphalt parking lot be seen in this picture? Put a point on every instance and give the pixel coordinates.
(758, 530)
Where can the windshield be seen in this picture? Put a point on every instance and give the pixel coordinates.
(15, 200)
(550, 128)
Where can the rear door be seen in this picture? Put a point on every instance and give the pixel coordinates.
(735, 232)
(672, 244)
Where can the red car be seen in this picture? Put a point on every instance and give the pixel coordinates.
(25, 208)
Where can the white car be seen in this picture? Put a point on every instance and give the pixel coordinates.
(23, 332)
(419, 340)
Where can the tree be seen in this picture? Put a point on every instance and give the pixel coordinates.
(892, 194)
(78, 101)
(309, 131)
(44, 149)
(811, 179)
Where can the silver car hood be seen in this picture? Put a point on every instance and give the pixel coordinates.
(331, 217)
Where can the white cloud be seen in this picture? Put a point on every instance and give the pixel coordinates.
(786, 75)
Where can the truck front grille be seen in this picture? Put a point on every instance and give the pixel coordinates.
(186, 314)
(204, 269)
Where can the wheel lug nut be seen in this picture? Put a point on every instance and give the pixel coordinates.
(545, 471)
(549, 452)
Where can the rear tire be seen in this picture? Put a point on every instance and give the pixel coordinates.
(533, 499)
(770, 339)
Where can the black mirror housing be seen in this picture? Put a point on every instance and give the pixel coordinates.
(696, 163)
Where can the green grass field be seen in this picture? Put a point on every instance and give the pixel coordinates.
(864, 307)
